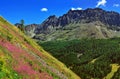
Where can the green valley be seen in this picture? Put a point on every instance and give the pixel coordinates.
(88, 58)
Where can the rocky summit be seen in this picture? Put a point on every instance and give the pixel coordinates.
(89, 23)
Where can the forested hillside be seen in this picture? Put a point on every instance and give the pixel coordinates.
(89, 58)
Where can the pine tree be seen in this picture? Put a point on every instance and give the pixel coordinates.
(22, 25)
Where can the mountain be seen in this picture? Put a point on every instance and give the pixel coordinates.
(89, 23)
(22, 58)
(30, 29)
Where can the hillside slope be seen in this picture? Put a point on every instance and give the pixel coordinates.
(22, 58)
(95, 30)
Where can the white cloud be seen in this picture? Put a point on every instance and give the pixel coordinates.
(44, 9)
(101, 3)
(116, 5)
(79, 8)
(73, 8)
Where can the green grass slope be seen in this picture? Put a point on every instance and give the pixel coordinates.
(88, 58)
(22, 58)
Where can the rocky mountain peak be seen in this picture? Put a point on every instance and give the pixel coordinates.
(109, 19)
(88, 15)
(52, 17)
(50, 21)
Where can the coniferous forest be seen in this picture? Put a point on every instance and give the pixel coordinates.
(89, 58)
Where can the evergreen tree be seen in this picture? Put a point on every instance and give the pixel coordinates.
(22, 25)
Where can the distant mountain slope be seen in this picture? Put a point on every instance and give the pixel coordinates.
(77, 31)
(89, 23)
(22, 58)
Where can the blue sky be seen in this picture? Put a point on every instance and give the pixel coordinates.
(36, 11)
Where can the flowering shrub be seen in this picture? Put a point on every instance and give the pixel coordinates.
(24, 68)
(21, 63)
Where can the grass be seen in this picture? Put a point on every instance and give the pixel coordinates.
(6, 71)
(21, 49)
(114, 69)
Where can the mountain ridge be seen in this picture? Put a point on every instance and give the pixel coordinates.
(110, 20)
(96, 14)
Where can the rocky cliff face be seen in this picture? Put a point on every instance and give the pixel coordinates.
(73, 19)
(30, 29)
(110, 18)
